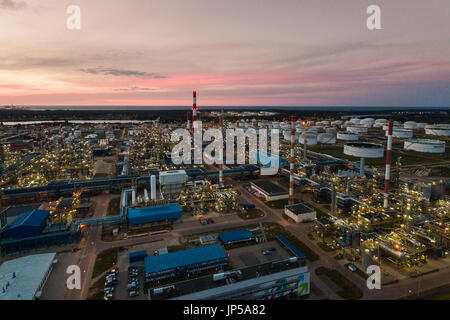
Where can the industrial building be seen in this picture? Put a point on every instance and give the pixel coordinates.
(184, 262)
(276, 279)
(28, 224)
(154, 214)
(300, 212)
(269, 190)
(236, 236)
(24, 278)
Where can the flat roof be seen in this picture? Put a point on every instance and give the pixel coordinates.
(30, 271)
(236, 235)
(269, 187)
(184, 258)
(291, 247)
(197, 287)
(299, 208)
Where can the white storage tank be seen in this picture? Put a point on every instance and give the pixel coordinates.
(401, 133)
(438, 130)
(364, 150)
(346, 136)
(326, 138)
(309, 138)
(410, 125)
(425, 145)
(355, 129)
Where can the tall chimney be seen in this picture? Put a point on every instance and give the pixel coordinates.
(291, 172)
(387, 177)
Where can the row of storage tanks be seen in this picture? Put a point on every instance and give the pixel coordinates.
(326, 132)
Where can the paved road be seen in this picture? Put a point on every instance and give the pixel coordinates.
(88, 252)
(93, 244)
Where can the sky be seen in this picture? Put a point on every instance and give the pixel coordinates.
(233, 52)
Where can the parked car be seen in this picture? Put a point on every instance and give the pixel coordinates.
(133, 293)
(266, 252)
(351, 267)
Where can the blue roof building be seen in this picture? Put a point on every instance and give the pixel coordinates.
(236, 236)
(154, 214)
(182, 262)
(28, 224)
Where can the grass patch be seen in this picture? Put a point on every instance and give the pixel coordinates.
(348, 289)
(311, 237)
(424, 273)
(252, 213)
(105, 260)
(113, 207)
(287, 218)
(277, 204)
(324, 247)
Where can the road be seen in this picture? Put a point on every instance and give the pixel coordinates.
(92, 245)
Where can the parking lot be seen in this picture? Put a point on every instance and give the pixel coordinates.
(252, 255)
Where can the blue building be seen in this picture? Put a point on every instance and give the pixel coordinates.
(154, 214)
(137, 256)
(28, 224)
(236, 236)
(181, 263)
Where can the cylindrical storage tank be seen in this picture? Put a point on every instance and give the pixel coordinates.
(354, 121)
(347, 136)
(438, 130)
(377, 125)
(421, 125)
(326, 138)
(355, 129)
(425, 145)
(337, 122)
(401, 134)
(411, 125)
(364, 150)
(287, 135)
(276, 125)
(332, 130)
(367, 122)
(309, 138)
(382, 121)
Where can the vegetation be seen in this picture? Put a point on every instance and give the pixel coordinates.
(252, 213)
(277, 204)
(113, 207)
(324, 247)
(287, 218)
(348, 289)
(104, 261)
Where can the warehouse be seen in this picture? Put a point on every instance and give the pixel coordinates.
(10, 214)
(28, 224)
(269, 190)
(24, 278)
(299, 212)
(154, 214)
(236, 236)
(184, 262)
(271, 280)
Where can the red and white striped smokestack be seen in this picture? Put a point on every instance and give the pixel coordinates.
(194, 111)
(388, 165)
(291, 171)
